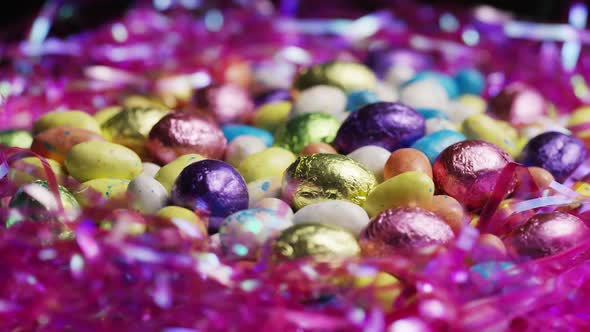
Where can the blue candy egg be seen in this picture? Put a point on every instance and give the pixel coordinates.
(232, 131)
(433, 144)
(488, 269)
(429, 113)
(470, 81)
(359, 98)
(446, 81)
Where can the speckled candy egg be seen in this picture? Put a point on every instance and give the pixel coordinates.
(227, 102)
(548, 233)
(242, 147)
(211, 188)
(147, 194)
(320, 98)
(180, 133)
(518, 104)
(558, 153)
(55, 143)
(325, 176)
(307, 128)
(402, 231)
(243, 233)
(469, 170)
(389, 125)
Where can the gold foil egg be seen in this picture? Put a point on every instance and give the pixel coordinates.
(317, 240)
(131, 126)
(348, 76)
(325, 176)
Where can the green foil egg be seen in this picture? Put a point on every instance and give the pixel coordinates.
(307, 128)
(326, 176)
(348, 76)
(16, 138)
(38, 202)
(131, 126)
(316, 240)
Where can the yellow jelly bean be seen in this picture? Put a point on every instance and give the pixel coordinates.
(406, 189)
(385, 287)
(500, 133)
(98, 159)
(582, 188)
(272, 115)
(108, 187)
(169, 172)
(176, 212)
(30, 169)
(105, 114)
(75, 119)
(266, 163)
(474, 102)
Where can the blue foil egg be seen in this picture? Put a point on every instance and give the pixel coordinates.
(433, 144)
(232, 131)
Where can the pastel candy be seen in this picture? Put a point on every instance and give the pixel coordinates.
(281, 208)
(242, 147)
(447, 82)
(266, 163)
(76, 119)
(273, 115)
(232, 131)
(424, 94)
(429, 113)
(55, 143)
(30, 168)
(16, 137)
(264, 188)
(147, 194)
(98, 159)
(469, 81)
(107, 187)
(150, 169)
(372, 157)
(344, 214)
(437, 124)
(320, 98)
(433, 144)
(169, 172)
(359, 98)
(500, 133)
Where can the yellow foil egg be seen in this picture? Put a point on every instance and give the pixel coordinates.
(325, 176)
(131, 127)
(348, 76)
(317, 240)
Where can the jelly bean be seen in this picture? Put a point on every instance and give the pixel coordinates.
(147, 194)
(273, 115)
(105, 114)
(429, 113)
(424, 94)
(320, 98)
(140, 101)
(386, 288)
(150, 169)
(267, 163)
(541, 176)
(264, 188)
(579, 124)
(582, 188)
(97, 159)
(30, 168)
(16, 138)
(281, 208)
(177, 215)
(307, 128)
(372, 157)
(437, 124)
(404, 190)
(241, 147)
(386, 92)
(458, 112)
(75, 119)
(470, 81)
(489, 248)
(169, 172)
(476, 103)
(399, 74)
(348, 76)
(444, 80)
(313, 148)
(55, 143)
(316, 240)
(359, 98)
(500, 133)
(109, 188)
(344, 214)
(232, 131)
(432, 145)
(243, 233)
(449, 209)
(406, 160)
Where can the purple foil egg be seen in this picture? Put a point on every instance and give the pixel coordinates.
(389, 125)
(548, 234)
(518, 104)
(403, 230)
(468, 171)
(211, 188)
(558, 153)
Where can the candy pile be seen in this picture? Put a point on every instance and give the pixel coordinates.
(206, 169)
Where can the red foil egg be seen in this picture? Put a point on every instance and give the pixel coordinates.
(469, 170)
(226, 102)
(402, 231)
(180, 133)
(548, 233)
(518, 104)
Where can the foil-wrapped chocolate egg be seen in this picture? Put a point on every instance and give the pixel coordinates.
(518, 104)
(307, 128)
(556, 152)
(348, 76)
(548, 233)
(211, 188)
(180, 133)
(316, 240)
(131, 127)
(469, 170)
(226, 102)
(389, 125)
(402, 231)
(325, 176)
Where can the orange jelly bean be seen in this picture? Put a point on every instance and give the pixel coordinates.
(405, 160)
